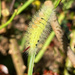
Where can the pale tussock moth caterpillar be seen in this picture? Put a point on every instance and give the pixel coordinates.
(37, 32)
(39, 28)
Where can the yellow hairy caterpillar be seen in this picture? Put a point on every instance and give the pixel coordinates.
(39, 28)
(37, 32)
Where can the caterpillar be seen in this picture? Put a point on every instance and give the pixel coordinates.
(37, 32)
(61, 36)
(39, 28)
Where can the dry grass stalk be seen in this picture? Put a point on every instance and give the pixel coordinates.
(16, 56)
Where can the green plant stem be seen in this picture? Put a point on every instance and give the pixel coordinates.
(16, 13)
(31, 63)
(26, 4)
(56, 3)
(4, 25)
(22, 43)
(40, 54)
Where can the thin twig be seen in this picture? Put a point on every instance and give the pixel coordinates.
(11, 7)
(26, 4)
(16, 56)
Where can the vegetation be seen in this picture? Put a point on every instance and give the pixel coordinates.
(20, 52)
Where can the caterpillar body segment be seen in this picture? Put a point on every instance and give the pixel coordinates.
(39, 28)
